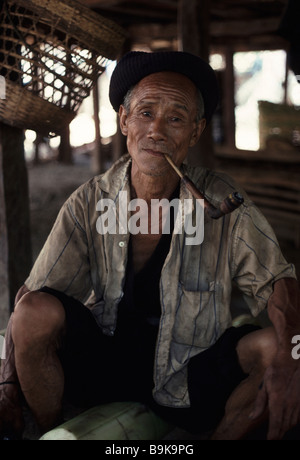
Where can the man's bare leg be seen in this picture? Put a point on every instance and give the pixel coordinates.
(255, 351)
(37, 329)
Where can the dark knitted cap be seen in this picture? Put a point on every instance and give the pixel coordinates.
(136, 65)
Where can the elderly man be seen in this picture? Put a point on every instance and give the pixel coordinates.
(159, 328)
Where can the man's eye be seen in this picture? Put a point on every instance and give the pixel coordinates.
(175, 119)
(146, 114)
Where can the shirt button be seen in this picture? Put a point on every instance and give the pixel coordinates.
(121, 244)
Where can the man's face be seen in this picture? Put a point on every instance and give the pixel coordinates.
(162, 119)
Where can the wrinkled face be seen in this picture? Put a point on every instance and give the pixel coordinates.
(161, 119)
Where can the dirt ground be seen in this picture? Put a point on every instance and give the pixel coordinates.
(50, 184)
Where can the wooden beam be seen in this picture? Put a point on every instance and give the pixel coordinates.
(132, 13)
(194, 37)
(194, 26)
(65, 151)
(148, 33)
(17, 254)
(217, 29)
(253, 3)
(245, 28)
(111, 4)
(158, 5)
(229, 99)
(253, 43)
(225, 13)
(101, 3)
(223, 152)
(97, 163)
(4, 283)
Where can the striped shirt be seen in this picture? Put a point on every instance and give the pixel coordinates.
(196, 280)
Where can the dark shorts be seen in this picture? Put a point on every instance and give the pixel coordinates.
(97, 371)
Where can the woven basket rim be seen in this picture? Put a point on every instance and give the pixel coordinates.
(93, 29)
(24, 109)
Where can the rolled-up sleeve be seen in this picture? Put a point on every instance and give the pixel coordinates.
(63, 263)
(257, 260)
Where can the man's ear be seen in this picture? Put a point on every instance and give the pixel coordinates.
(123, 120)
(200, 127)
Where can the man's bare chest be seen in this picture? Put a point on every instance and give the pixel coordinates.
(143, 246)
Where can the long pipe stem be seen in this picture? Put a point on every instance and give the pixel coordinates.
(229, 204)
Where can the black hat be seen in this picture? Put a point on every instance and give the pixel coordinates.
(136, 65)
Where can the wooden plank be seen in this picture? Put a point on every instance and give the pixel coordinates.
(101, 3)
(263, 190)
(289, 183)
(253, 3)
(245, 28)
(222, 11)
(148, 32)
(145, 4)
(281, 216)
(133, 12)
(258, 155)
(276, 205)
(158, 5)
(251, 43)
(285, 179)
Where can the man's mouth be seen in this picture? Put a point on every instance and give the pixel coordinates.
(155, 153)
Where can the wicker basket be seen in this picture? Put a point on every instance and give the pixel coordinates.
(51, 55)
(278, 121)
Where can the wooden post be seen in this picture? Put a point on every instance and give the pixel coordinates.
(194, 37)
(229, 100)
(97, 163)
(65, 154)
(119, 141)
(65, 149)
(4, 291)
(15, 256)
(286, 80)
(39, 139)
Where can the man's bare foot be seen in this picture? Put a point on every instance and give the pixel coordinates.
(11, 415)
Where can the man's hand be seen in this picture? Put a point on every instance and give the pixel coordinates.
(280, 392)
(280, 395)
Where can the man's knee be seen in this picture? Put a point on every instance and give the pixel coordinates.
(257, 349)
(37, 316)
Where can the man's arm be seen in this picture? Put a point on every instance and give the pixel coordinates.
(280, 392)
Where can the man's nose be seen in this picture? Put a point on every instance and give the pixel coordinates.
(157, 130)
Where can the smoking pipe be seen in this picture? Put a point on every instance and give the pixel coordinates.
(229, 204)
